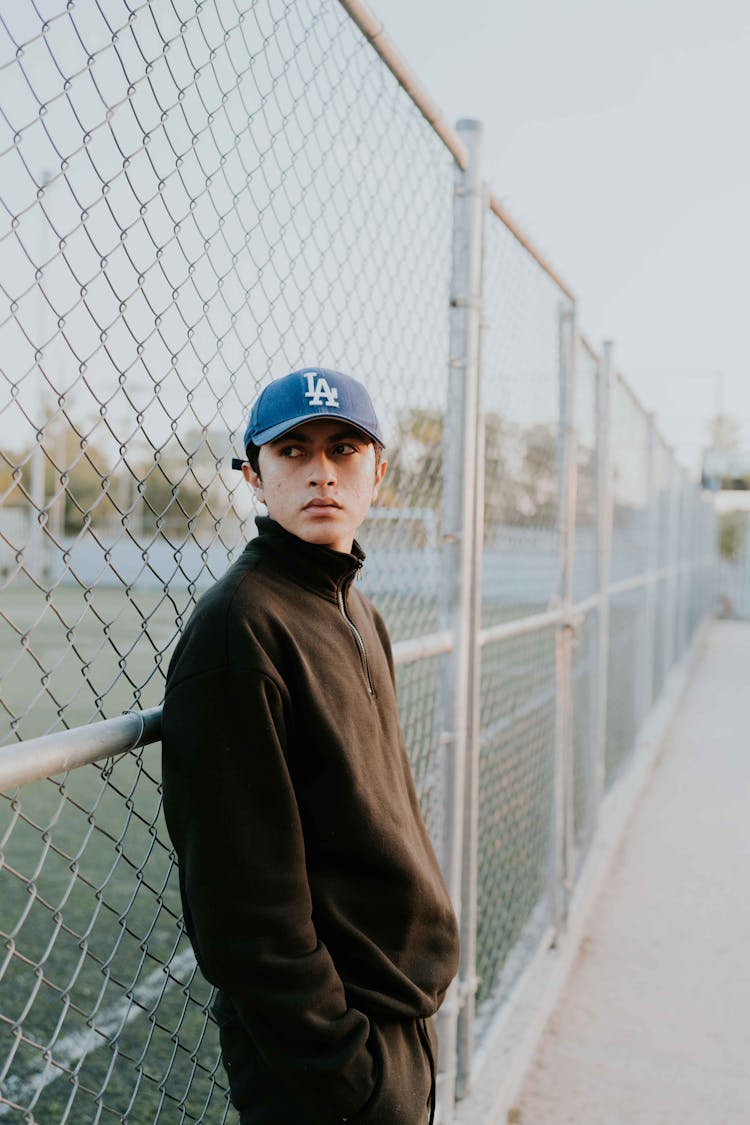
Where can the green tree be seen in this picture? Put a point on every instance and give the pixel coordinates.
(732, 534)
(415, 461)
(416, 464)
(536, 498)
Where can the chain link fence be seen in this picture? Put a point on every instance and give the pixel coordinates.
(197, 198)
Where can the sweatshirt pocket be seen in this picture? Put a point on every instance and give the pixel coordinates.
(404, 1080)
(239, 1058)
(373, 1046)
(256, 1090)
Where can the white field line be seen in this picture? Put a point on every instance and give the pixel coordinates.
(70, 1051)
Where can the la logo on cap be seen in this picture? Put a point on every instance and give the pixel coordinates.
(319, 391)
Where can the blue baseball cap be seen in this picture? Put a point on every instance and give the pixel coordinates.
(312, 392)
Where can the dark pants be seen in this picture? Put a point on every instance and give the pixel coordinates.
(405, 1054)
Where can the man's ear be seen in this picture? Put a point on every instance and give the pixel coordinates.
(379, 474)
(254, 480)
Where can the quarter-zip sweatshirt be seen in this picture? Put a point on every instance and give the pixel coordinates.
(311, 892)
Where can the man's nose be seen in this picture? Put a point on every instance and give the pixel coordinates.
(322, 469)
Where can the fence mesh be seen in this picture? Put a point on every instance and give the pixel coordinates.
(195, 198)
(516, 769)
(684, 575)
(585, 556)
(584, 727)
(521, 396)
(104, 1013)
(626, 659)
(630, 484)
(663, 502)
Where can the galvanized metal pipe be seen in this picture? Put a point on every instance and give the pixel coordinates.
(626, 585)
(561, 847)
(57, 753)
(497, 209)
(672, 614)
(646, 666)
(468, 981)
(604, 508)
(506, 630)
(457, 561)
(420, 648)
(569, 373)
(374, 31)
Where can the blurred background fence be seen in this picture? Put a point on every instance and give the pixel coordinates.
(195, 198)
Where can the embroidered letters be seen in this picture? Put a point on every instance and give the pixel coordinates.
(319, 392)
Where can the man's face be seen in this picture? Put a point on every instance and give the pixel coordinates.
(318, 481)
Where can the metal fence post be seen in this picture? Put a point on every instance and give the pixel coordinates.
(457, 561)
(468, 981)
(561, 867)
(681, 572)
(690, 564)
(675, 523)
(646, 687)
(604, 508)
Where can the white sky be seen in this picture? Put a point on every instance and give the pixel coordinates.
(617, 136)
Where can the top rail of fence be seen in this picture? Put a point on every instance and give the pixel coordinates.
(499, 210)
(374, 31)
(588, 346)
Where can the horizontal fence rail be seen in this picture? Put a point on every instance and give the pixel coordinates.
(195, 199)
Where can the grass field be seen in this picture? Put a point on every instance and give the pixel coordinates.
(90, 903)
(88, 655)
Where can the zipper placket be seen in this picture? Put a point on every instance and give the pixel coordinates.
(355, 633)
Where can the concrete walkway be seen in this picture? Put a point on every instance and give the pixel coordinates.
(653, 1026)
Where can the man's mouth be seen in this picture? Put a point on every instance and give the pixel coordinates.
(322, 502)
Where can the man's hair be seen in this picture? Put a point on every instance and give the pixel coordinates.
(252, 454)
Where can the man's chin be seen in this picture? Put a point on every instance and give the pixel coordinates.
(322, 532)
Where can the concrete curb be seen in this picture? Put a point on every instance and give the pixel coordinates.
(511, 1041)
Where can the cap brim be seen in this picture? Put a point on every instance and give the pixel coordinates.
(281, 428)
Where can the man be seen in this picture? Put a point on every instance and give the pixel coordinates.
(311, 892)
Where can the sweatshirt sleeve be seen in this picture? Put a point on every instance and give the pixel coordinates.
(232, 815)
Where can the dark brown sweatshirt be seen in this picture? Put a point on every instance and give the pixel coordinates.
(311, 891)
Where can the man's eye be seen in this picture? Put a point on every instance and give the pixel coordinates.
(345, 448)
(290, 451)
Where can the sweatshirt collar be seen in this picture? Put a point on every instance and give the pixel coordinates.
(318, 568)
